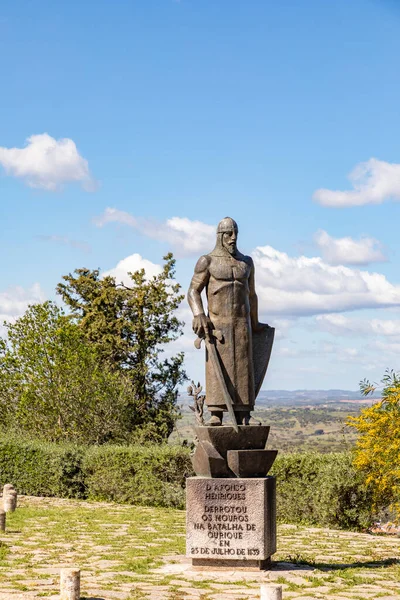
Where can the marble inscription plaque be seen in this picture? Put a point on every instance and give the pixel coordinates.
(230, 519)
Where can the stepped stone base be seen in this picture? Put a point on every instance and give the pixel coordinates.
(251, 463)
(223, 452)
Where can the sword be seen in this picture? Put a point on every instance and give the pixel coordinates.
(210, 345)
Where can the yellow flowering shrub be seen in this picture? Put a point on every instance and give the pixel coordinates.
(377, 452)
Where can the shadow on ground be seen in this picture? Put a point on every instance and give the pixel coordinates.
(294, 564)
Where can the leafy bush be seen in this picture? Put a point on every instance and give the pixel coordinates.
(42, 469)
(147, 475)
(321, 489)
(377, 451)
(315, 489)
(53, 384)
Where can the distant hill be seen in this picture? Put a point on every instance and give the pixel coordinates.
(302, 397)
(267, 398)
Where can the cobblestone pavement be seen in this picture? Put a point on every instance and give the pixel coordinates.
(136, 553)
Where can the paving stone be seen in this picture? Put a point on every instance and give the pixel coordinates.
(296, 546)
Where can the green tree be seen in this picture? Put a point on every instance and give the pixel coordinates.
(377, 452)
(129, 327)
(54, 385)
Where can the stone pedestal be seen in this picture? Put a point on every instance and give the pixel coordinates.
(230, 522)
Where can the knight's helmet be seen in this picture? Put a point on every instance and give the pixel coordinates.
(227, 224)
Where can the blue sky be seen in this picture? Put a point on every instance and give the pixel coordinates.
(191, 110)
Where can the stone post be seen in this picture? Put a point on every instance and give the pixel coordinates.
(7, 488)
(271, 592)
(70, 584)
(2, 520)
(10, 501)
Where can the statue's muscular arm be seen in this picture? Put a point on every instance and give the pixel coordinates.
(201, 323)
(255, 324)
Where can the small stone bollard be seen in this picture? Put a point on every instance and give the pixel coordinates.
(7, 488)
(271, 592)
(2, 520)
(70, 584)
(10, 504)
(10, 500)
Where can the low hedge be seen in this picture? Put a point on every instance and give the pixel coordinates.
(321, 489)
(312, 488)
(146, 475)
(42, 469)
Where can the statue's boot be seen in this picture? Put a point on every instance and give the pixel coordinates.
(216, 418)
(244, 417)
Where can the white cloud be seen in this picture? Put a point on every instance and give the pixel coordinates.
(328, 348)
(286, 352)
(130, 264)
(185, 343)
(337, 324)
(190, 237)
(347, 251)
(113, 215)
(186, 237)
(307, 286)
(282, 326)
(15, 300)
(342, 325)
(65, 241)
(287, 286)
(385, 348)
(385, 327)
(350, 352)
(374, 181)
(341, 353)
(47, 163)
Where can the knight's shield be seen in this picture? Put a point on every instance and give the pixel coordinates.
(262, 347)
